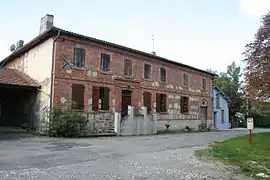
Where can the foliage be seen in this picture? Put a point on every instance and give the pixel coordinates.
(252, 159)
(66, 122)
(257, 72)
(229, 82)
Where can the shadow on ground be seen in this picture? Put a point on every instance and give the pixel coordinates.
(10, 133)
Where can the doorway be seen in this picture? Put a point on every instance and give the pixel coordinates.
(147, 101)
(126, 101)
(203, 114)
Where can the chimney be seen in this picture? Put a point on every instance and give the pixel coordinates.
(153, 52)
(46, 23)
(19, 44)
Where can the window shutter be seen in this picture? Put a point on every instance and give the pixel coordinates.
(95, 98)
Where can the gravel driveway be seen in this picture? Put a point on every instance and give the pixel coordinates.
(142, 158)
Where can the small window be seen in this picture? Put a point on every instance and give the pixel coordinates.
(79, 57)
(162, 74)
(217, 100)
(78, 96)
(222, 117)
(147, 71)
(185, 79)
(105, 62)
(161, 103)
(184, 104)
(100, 98)
(128, 67)
(204, 84)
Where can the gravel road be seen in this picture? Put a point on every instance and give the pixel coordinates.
(112, 158)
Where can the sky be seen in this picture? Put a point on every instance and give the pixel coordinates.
(204, 34)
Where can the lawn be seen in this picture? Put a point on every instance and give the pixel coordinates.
(251, 158)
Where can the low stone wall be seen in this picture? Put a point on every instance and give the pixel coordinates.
(99, 122)
(179, 124)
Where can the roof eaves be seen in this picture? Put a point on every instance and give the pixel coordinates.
(222, 93)
(133, 50)
(37, 40)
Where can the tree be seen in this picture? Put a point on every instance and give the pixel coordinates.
(229, 82)
(257, 72)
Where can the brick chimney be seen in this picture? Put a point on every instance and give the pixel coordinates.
(46, 23)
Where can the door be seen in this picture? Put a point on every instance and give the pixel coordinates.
(203, 114)
(147, 101)
(126, 101)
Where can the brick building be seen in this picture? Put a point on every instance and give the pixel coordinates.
(100, 76)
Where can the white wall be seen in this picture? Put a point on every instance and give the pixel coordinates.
(37, 63)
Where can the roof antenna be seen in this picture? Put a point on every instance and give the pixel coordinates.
(153, 39)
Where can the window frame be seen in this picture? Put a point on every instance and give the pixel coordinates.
(160, 108)
(150, 71)
(184, 111)
(185, 79)
(160, 74)
(128, 71)
(76, 62)
(105, 58)
(204, 84)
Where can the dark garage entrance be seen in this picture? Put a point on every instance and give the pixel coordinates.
(18, 95)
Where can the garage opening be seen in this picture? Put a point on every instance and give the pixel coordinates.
(18, 97)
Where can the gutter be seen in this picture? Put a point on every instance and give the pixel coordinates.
(51, 98)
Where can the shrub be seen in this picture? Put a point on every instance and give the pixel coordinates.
(65, 122)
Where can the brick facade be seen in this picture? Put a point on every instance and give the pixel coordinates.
(116, 81)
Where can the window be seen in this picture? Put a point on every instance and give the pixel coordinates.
(78, 96)
(161, 103)
(100, 98)
(204, 84)
(147, 71)
(79, 57)
(217, 100)
(162, 74)
(185, 79)
(184, 104)
(222, 117)
(105, 62)
(128, 67)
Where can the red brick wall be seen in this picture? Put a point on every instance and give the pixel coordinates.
(64, 78)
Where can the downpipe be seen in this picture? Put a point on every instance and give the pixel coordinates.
(53, 50)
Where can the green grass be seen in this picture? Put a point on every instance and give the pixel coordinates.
(251, 158)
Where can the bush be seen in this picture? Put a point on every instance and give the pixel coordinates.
(65, 122)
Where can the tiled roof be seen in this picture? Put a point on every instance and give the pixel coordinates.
(54, 31)
(15, 77)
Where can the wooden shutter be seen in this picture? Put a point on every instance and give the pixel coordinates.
(78, 95)
(158, 102)
(95, 97)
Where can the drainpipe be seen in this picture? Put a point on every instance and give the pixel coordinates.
(51, 98)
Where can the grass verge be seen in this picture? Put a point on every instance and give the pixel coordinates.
(251, 158)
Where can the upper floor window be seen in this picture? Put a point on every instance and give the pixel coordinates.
(204, 84)
(127, 67)
(147, 71)
(105, 62)
(217, 100)
(79, 57)
(185, 79)
(162, 74)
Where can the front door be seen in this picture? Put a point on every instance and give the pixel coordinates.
(203, 114)
(126, 101)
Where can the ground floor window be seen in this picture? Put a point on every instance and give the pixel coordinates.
(184, 104)
(161, 102)
(100, 98)
(78, 96)
(222, 117)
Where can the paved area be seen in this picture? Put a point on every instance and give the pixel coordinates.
(112, 158)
